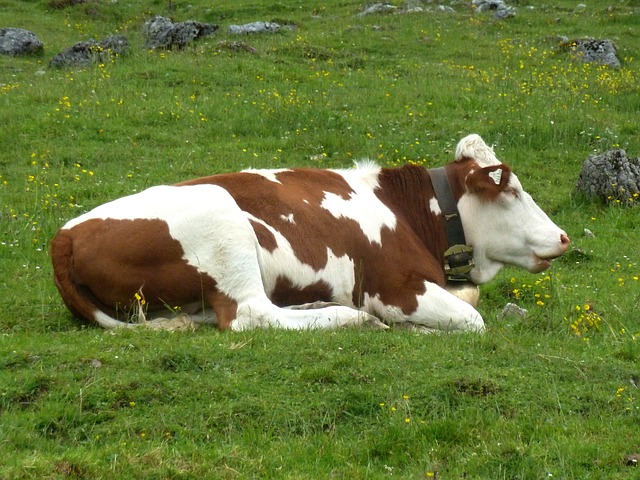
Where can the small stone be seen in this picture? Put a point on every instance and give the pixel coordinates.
(95, 363)
(254, 27)
(632, 460)
(378, 8)
(512, 310)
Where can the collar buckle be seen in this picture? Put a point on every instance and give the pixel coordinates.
(458, 262)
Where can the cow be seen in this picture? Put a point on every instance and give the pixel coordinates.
(307, 248)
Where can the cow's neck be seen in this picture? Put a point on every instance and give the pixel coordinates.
(407, 191)
(458, 258)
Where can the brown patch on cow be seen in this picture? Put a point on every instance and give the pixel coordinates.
(410, 254)
(286, 294)
(266, 239)
(396, 272)
(225, 308)
(477, 180)
(115, 259)
(407, 191)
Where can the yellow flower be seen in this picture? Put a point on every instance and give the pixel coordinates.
(140, 299)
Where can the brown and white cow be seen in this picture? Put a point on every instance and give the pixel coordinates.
(238, 249)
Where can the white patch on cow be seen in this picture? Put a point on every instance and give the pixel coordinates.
(362, 206)
(288, 218)
(434, 206)
(472, 146)
(339, 272)
(270, 174)
(366, 172)
(496, 176)
(366, 164)
(152, 203)
(437, 309)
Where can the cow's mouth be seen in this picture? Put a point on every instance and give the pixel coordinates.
(541, 264)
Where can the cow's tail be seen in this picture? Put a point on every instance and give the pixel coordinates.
(81, 305)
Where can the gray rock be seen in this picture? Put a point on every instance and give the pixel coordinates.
(500, 9)
(83, 54)
(378, 8)
(589, 50)
(116, 45)
(443, 8)
(18, 41)
(254, 27)
(611, 177)
(160, 32)
(511, 310)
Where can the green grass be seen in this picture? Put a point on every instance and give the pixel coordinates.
(550, 394)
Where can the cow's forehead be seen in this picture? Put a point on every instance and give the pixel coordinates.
(472, 146)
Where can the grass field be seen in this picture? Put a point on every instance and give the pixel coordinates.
(552, 395)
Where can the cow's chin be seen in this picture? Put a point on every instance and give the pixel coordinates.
(485, 271)
(539, 265)
(488, 269)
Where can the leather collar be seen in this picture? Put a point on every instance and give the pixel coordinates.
(458, 258)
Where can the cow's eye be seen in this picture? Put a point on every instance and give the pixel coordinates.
(511, 192)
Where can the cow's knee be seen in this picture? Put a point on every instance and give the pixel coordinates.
(440, 310)
(475, 323)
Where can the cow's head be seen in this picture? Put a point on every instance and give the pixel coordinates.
(501, 221)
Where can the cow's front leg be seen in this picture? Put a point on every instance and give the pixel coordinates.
(436, 310)
(465, 291)
(258, 314)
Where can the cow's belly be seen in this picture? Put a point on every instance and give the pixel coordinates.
(288, 281)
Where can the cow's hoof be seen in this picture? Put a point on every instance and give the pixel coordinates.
(373, 322)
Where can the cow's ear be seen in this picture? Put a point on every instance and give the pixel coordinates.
(488, 182)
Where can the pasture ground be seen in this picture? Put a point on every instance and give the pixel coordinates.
(552, 395)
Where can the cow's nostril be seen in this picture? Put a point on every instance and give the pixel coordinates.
(564, 239)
